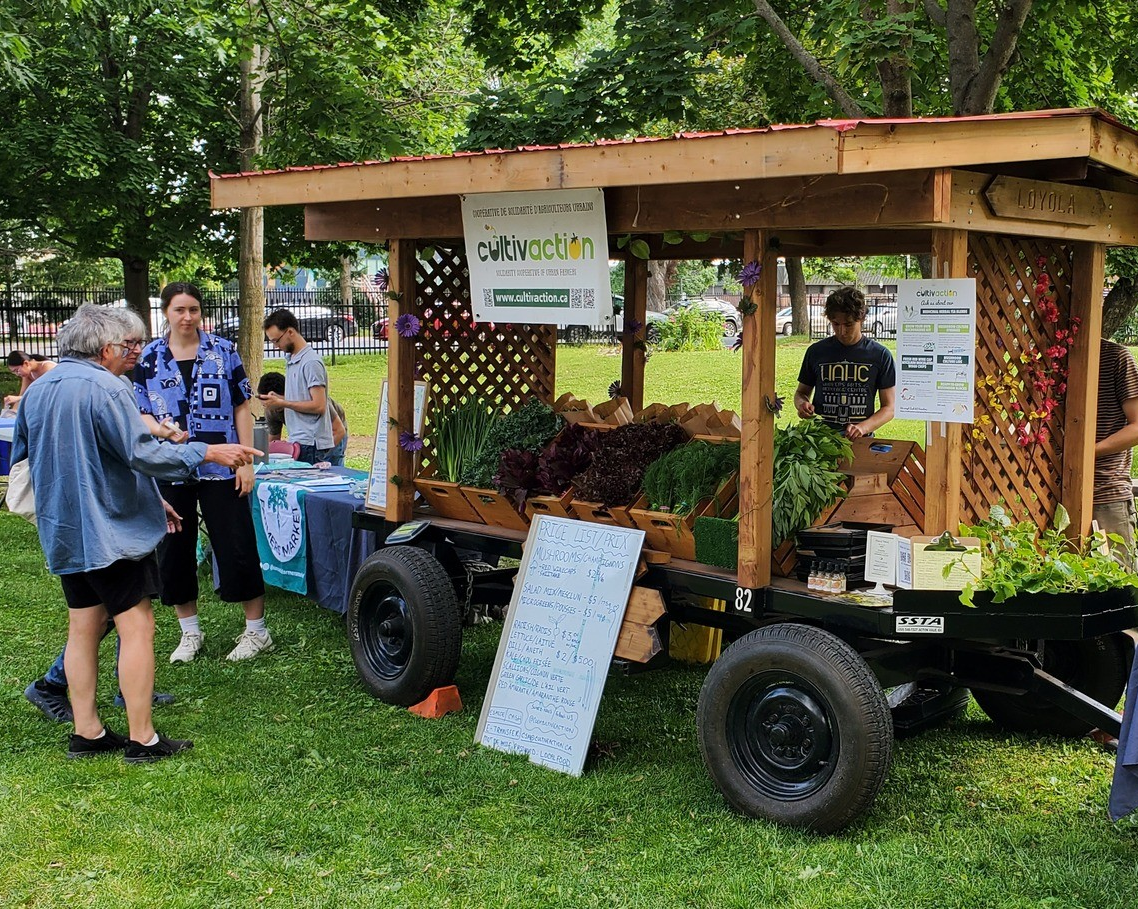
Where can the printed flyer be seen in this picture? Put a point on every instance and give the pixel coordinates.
(936, 350)
(538, 258)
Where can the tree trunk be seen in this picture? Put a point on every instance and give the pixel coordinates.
(657, 285)
(346, 281)
(136, 284)
(796, 282)
(1118, 305)
(251, 259)
(894, 71)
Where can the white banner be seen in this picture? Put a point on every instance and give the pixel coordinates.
(936, 350)
(538, 258)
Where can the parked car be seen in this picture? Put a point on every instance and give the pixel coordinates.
(317, 323)
(784, 321)
(729, 311)
(881, 317)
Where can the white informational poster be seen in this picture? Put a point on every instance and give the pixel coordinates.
(559, 636)
(538, 258)
(881, 551)
(936, 350)
(377, 480)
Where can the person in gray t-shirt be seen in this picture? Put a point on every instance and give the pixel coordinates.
(305, 401)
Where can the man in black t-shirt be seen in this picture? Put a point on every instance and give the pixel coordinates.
(844, 375)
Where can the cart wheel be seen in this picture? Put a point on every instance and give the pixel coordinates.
(404, 627)
(794, 728)
(1098, 667)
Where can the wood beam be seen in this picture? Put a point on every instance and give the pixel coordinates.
(1080, 421)
(854, 242)
(690, 159)
(970, 211)
(944, 459)
(876, 146)
(1115, 146)
(756, 456)
(848, 202)
(635, 310)
(400, 382)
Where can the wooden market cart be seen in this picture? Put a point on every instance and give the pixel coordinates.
(794, 721)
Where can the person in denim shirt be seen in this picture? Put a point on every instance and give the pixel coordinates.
(100, 517)
(196, 382)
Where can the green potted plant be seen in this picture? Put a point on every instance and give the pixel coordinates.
(457, 435)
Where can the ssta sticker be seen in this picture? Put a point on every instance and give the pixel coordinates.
(919, 624)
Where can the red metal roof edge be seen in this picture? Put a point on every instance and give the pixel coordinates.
(840, 125)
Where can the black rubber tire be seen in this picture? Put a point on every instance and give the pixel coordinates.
(404, 627)
(878, 329)
(730, 328)
(820, 753)
(1098, 667)
(334, 333)
(652, 334)
(788, 329)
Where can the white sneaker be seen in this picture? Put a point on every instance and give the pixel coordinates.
(249, 644)
(187, 648)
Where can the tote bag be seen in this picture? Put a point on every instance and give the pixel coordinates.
(21, 499)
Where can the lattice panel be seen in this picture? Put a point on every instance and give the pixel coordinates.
(1009, 329)
(506, 364)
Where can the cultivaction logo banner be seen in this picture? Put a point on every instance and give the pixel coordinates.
(539, 258)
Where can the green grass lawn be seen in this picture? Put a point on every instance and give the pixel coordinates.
(304, 791)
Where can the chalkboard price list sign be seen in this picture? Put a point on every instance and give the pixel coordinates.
(560, 633)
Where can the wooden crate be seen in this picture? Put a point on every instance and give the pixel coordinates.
(447, 500)
(673, 533)
(494, 508)
(597, 513)
(556, 506)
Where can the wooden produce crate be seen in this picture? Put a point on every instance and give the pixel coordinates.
(674, 533)
(598, 513)
(494, 508)
(447, 500)
(557, 506)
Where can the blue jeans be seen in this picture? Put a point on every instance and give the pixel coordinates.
(336, 455)
(310, 454)
(56, 674)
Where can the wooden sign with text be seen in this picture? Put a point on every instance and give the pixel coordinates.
(1038, 200)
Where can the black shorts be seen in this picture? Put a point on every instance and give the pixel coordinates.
(120, 586)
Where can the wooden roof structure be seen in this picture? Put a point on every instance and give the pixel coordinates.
(988, 197)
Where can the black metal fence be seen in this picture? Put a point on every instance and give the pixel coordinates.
(30, 318)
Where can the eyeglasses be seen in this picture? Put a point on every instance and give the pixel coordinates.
(276, 342)
(128, 344)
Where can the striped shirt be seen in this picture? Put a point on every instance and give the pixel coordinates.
(1117, 383)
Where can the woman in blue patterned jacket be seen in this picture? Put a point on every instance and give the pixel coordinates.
(193, 381)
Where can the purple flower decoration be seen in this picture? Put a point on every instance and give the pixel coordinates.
(408, 325)
(749, 276)
(408, 441)
(615, 391)
(632, 326)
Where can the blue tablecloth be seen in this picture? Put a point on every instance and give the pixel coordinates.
(336, 549)
(7, 428)
(1124, 790)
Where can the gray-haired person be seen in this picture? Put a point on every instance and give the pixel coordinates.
(100, 518)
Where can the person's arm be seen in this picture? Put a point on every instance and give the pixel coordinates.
(243, 419)
(167, 429)
(878, 418)
(1126, 437)
(802, 400)
(316, 404)
(12, 401)
(339, 430)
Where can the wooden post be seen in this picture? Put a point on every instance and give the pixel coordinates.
(400, 381)
(756, 467)
(945, 459)
(1080, 421)
(635, 310)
